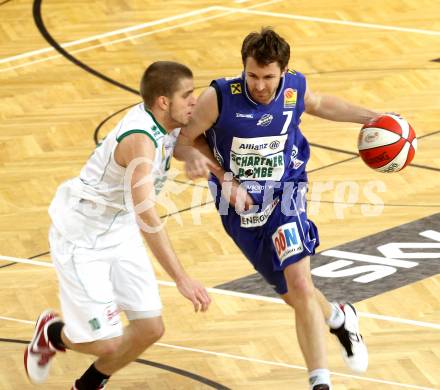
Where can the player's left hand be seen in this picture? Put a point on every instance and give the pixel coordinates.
(379, 114)
(235, 194)
(198, 166)
(195, 292)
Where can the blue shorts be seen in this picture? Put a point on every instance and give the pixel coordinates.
(275, 236)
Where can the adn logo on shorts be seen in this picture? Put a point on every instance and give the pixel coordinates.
(287, 241)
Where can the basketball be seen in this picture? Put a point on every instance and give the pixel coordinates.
(388, 143)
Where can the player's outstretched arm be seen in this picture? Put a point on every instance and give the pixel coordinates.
(336, 109)
(136, 153)
(204, 115)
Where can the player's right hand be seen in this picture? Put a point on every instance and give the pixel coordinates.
(195, 292)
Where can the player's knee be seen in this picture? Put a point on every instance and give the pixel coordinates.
(149, 331)
(108, 347)
(157, 331)
(301, 287)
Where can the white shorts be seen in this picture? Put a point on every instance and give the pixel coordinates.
(96, 284)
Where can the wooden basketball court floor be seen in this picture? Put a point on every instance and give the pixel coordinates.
(378, 54)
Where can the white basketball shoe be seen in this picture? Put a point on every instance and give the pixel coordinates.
(354, 350)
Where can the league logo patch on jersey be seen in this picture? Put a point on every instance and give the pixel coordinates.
(235, 88)
(295, 163)
(265, 120)
(287, 241)
(290, 97)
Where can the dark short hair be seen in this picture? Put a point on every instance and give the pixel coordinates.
(162, 78)
(266, 47)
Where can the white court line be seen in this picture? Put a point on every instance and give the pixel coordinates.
(17, 320)
(124, 30)
(111, 33)
(131, 37)
(229, 10)
(281, 364)
(332, 21)
(251, 296)
(260, 361)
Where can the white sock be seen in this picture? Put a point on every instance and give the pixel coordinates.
(320, 376)
(337, 316)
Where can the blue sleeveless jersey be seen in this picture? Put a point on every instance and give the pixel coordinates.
(261, 145)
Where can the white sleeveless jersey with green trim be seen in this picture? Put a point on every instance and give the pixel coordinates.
(90, 210)
(103, 177)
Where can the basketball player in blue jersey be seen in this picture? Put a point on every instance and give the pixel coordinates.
(252, 129)
(98, 221)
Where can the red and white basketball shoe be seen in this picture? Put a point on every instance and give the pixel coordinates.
(39, 352)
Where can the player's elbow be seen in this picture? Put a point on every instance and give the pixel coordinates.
(313, 105)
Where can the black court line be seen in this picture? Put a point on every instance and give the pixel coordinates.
(424, 167)
(4, 2)
(188, 374)
(429, 134)
(29, 258)
(165, 367)
(7, 265)
(104, 121)
(333, 149)
(52, 42)
(189, 183)
(332, 164)
(39, 255)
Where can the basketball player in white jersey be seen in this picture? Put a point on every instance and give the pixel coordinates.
(98, 221)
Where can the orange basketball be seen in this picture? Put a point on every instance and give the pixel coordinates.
(388, 143)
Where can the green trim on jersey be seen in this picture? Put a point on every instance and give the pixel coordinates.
(162, 130)
(122, 136)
